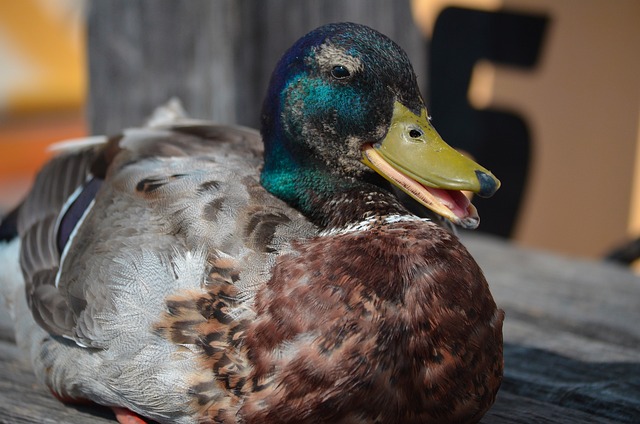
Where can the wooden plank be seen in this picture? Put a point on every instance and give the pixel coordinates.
(514, 409)
(215, 55)
(603, 389)
(571, 333)
(597, 300)
(25, 400)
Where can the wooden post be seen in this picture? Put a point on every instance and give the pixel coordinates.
(215, 55)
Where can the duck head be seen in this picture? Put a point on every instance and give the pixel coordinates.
(343, 107)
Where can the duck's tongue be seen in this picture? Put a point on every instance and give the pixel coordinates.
(455, 200)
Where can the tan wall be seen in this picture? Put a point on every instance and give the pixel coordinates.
(582, 103)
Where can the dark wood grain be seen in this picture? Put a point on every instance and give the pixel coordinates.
(571, 345)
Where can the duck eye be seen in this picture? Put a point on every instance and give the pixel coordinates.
(340, 72)
(415, 133)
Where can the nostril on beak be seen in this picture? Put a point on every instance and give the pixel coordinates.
(488, 184)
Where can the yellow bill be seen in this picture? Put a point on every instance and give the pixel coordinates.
(413, 157)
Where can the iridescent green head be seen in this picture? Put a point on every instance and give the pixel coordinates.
(343, 104)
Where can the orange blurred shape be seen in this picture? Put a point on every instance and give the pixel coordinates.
(23, 149)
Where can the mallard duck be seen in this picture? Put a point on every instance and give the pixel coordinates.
(172, 273)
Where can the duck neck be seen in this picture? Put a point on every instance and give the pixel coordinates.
(327, 199)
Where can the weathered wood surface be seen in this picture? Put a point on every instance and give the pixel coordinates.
(572, 336)
(572, 345)
(215, 55)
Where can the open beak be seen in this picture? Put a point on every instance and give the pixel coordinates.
(413, 157)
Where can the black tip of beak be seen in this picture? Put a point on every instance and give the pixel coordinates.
(488, 184)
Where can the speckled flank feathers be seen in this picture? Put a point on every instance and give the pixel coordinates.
(171, 272)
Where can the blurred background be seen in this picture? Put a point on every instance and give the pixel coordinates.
(545, 93)
(42, 86)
